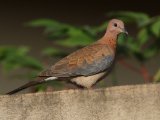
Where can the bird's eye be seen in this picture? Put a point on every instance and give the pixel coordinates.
(115, 24)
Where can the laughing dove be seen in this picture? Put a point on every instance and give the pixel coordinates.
(87, 65)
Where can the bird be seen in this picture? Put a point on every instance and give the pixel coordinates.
(87, 65)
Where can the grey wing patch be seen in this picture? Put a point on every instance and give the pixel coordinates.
(96, 67)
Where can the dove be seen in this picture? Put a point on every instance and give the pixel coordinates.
(87, 65)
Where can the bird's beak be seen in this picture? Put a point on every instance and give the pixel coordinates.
(124, 31)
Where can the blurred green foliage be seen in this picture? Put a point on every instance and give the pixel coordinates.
(142, 45)
(64, 34)
(12, 58)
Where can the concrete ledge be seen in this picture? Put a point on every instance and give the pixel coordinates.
(140, 102)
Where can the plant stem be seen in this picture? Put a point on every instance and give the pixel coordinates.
(145, 73)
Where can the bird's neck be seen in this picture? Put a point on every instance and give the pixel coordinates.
(110, 40)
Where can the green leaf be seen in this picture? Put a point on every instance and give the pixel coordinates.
(143, 36)
(53, 52)
(31, 63)
(75, 41)
(40, 88)
(16, 57)
(157, 76)
(44, 23)
(149, 52)
(76, 37)
(155, 28)
(132, 45)
(122, 38)
(89, 30)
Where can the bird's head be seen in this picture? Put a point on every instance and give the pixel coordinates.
(116, 26)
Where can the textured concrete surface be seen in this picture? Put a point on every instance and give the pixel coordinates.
(140, 102)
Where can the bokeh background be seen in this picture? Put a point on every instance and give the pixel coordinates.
(34, 34)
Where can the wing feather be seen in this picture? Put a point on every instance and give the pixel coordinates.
(86, 61)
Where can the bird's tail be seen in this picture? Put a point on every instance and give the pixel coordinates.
(32, 83)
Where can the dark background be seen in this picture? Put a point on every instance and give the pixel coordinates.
(14, 15)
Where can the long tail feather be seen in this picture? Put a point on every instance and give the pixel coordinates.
(32, 83)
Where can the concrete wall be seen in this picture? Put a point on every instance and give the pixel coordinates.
(14, 14)
(141, 102)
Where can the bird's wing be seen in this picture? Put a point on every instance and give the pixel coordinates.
(86, 61)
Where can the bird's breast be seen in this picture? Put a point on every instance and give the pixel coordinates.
(89, 80)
